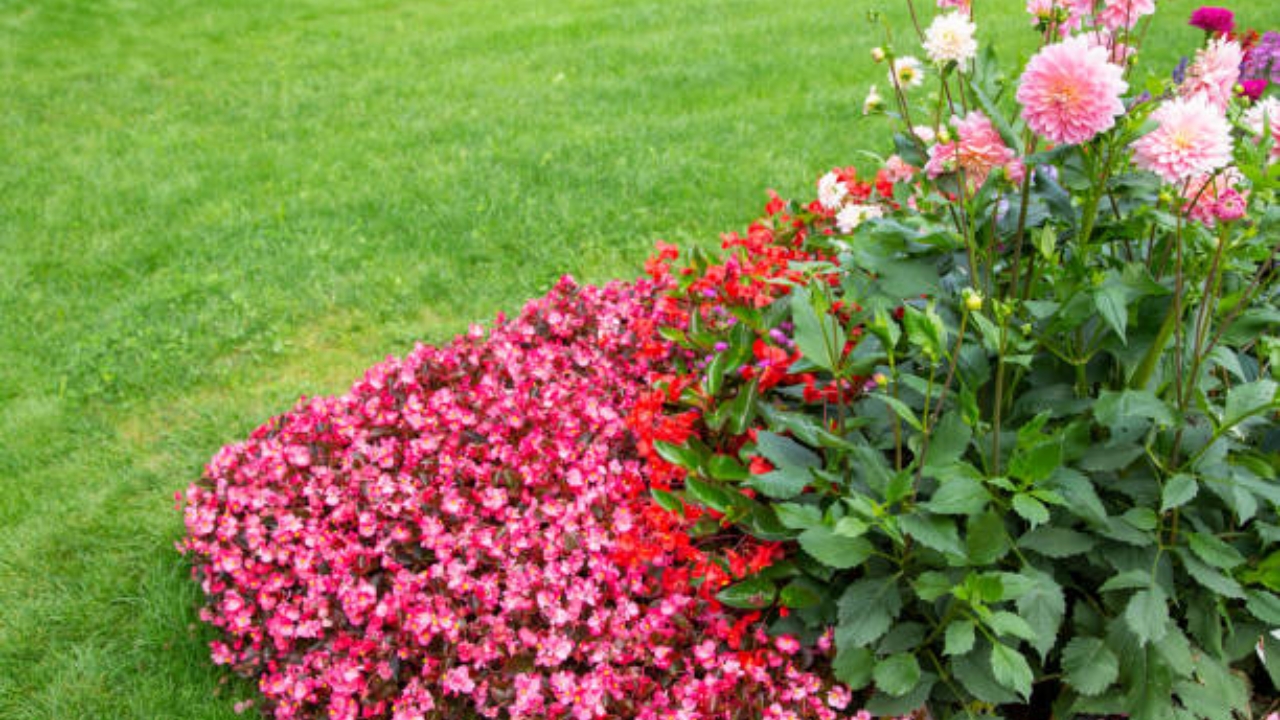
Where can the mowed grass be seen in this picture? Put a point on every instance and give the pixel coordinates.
(209, 209)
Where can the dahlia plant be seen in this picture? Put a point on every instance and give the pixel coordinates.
(1008, 406)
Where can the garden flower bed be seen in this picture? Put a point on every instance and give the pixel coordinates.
(991, 430)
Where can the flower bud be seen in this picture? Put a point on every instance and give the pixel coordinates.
(972, 300)
(877, 54)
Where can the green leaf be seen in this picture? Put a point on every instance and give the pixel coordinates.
(866, 610)
(935, 532)
(900, 408)
(1036, 463)
(679, 455)
(1110, 301)
(725, 467)
(1082, 499)
(1056, 542)
(1090, 666)
(1147, 615)
(785, 452)
(782, 484)
(853, 666)
(796, 516)
(801, 593)
(959, 496)
(947, 442)
(897, 674)
(986, 540)
(1208, 577)
(974, 673)
(1127, 580)
(707, 494)
(1003, 622)
(1031, 509)
(931, 585)
(1043, 607)
(1249, 399)
(834, 550)
(742, 409)
(1214, 551)
(959, 637)
(753, 593)
(820, 340)
(1264, 606)
(1011, 669)
(1114, 407)
(1178, 491)
(667, 501)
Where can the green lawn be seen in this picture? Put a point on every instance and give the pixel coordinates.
(209, 209)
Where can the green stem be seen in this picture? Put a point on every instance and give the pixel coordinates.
(1149, 361)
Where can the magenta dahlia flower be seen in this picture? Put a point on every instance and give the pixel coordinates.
(1070, 92)
(1193, 138)
(1213, 19)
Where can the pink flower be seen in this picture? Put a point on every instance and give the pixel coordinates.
(1219, 197)
(1193, 138)
(1253, 89)
(1214, 73)
(1265, 114)
(1125, 13)
(1070, 92)
(1213, 19)
(978, 151)
(962, 5)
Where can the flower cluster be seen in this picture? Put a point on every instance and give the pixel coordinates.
(468, 531)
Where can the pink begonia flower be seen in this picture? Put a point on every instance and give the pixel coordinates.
(1214, 73)
(1193, 138)
(1070, 91)
(1213, 19)
(1125, 14)
(978, 150)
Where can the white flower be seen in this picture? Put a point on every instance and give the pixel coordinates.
(854, 215)
(873, 103)
(1269, 108)
(831, 192)
(924, 132)
(950, 38)
(907, 71)
(877, 54)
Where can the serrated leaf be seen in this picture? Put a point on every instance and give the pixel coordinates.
(853, 666)
(900, 409)
(1147, 615)
(1214, 551)
(948, 441)
(897, 674)
(959, 637)
(1082, 499)
(1011, 669)
(974, 673)
(1178, 491)
(1003, 622)
(797, 516)
(986, 539)
(783, 483)
(1264, 606)
(1249, 399)
(820, 339)
(959, 496)
(1127, 580)
(1031, 509)
(866, 610)
(1042, 606)
(1110, 302)
(1090, 666)
(1056, 542)
(1209, 577)
(935, 532)
(1114, 407)
(800, 593)
(931, 585)
(753, 593)
(834, 550)
(1034, 464)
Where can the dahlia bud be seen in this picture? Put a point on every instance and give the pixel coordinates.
(877, 54)
(972, 300)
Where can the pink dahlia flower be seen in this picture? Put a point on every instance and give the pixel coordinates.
(1213, 19)
(1265, 115)
(1070, 92)
(1125, 13)
(1253, 89)
(1193, 138)
(978, 151)
(1211, 198)
(1214, 73)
